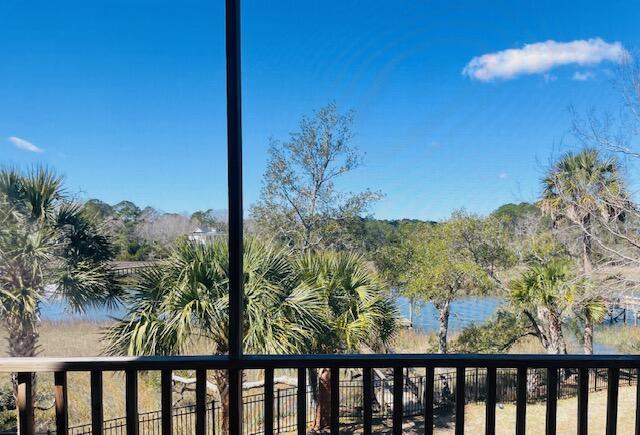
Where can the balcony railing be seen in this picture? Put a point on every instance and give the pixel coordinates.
(554, 365)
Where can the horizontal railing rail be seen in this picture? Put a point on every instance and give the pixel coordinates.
(220, 362)
(548, 369)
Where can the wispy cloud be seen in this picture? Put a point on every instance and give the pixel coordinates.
(503, 175)
(24, 145)
(583, 76)
(541, 57)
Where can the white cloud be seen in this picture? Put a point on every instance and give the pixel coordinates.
(503, 175)
(541, 57)
(24, 145)
(583, 76)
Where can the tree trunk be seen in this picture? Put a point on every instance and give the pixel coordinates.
(443, 314)
(587, 250)
(222, 382)
(557, 345)
(412, 303)
(588, 269)
(588, 336)
(22, 341)
(323, 410)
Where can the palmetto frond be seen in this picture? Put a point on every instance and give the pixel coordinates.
(547, 284)
(46, 249)
(360, 310)
(187, 297)
(583, 184)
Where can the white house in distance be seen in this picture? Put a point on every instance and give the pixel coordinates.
(205, 234)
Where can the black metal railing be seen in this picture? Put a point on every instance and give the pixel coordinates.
(351, 401)
(519, 378)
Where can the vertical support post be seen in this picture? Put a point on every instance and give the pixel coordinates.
(612, 401)
(302, 401)
(268, 401)
(460, 390)
(398, 393)
(97, 419)
(335, 401)
(552, 400)
(583, 401)
(234, 185)
(166, 399)
(278, 406)
(638, 402)
(490, 418)
(521, 401)
(367, 400)
(428, 401)
(25, 404)
(131, 401)
(201, 401)
(62, 412)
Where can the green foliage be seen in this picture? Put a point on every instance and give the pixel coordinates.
(300, 204)
(186, 297)
(548, 284)
(360, 310)
(444, 261)
(511, 213)
(46, 240)
(8, 420)
(497, 335)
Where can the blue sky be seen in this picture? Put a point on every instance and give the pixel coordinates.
(126, 98)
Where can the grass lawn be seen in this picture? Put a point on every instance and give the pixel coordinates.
(566, 423)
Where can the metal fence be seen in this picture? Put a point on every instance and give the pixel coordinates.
(285, 400)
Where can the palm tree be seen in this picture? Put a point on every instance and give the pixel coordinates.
(544, 292)
(361, 315)
(186, 298)
(582, 189)
(48, 249)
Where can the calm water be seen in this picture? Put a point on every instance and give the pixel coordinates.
(58, 311)
(463, 312)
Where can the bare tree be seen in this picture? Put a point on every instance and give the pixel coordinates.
(300, 203)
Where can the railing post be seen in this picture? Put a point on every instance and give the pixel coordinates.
(552, 400)
(302, 401)
(521, 401)
(268, 401)
(166, 399)
(62, 413)
(490, 419)
(201, 401)
(131, 401)
(428, 401)
(367, 400)
(335, 401)
(96, 403)
(398, 389)
(461, 373)
(612, 401)
(637, 401)
(25, 404)
(583, 401)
